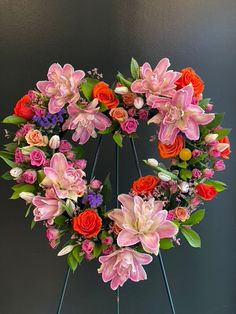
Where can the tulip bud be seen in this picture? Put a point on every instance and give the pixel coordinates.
(164, 177)
(138, 102)
(16, 172)
(210, 138)
(121, 90)
(66, 250)
(152, 162)
(184, 187)
(54, 142)
(95, 184)
(27, 196)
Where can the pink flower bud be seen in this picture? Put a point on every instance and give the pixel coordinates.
(87, 246)
(70, 155)
(95, 184)
(196, 173)
(194, 201)
(208, 173)
(209, 107)
(210, 138)
(107, 241)
(80, 163)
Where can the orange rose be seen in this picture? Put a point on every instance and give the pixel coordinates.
(119, 114)
(88, 223)
(173, 150)
(35, 138)
(145, 185)
(181, 213)
(128, 99)
(227, 151)
(190, 77)
(105, 95)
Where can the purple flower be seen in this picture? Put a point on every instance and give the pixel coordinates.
(93, 199)
(37, 157)
(62, 86)
(29, 176)
(129, 126)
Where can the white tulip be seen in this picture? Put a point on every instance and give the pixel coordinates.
(16, 172)
(27, 196)
(164, 177)
(121, 90)
(184, 187)
(210, 138)
(138, 102)
(54, 142)
(152, 162)
(67, 249)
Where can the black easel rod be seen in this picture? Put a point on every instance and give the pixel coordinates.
(159, 255)
(117, 204)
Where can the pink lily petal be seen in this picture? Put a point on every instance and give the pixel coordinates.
(125, 238)
(150, 242)
(167, 230)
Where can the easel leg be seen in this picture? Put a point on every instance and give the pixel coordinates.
(117, 205)
(68, 270)
(159, 255)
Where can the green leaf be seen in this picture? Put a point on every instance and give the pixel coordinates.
(40, 176)
(204, 102)
(7, 176)
(33, 223)
(166, 244)
(185, 174)
(72, 262)
(134, 68)
(78, 150)
(87, 87)
(11, 147)
(218, 185)
(6, 155)
(8, 162)
(14, 120)
(118, 139)
(195, 218)
(216, 122)
(204, 131)
(103, 107)
(183, 165)
(77, 254)
(109, 129)
(222, 133)
(28, 211)
(103, 235)
(60, 220)
(122, 80)
(194, 161)
(18, 188)
(107, 190)
(69, 207)
(97, 250)
(191, 236)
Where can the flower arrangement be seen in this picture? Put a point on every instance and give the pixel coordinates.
(49, 172)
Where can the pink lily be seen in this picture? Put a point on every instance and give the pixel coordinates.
(142, 221)
(158, 81)
(46, 208)
(84, 120)
(122, 265)
(178, 114)
(67, 181)
(62, 86)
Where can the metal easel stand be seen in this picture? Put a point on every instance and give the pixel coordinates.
(117, 204)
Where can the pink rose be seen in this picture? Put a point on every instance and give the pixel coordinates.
(37, 157)
(87, 246)
(196, 173)
(219, 165)
(129, 126)
(107, 240)
(95, 184)
(132, 112)
(80, 163)
(19, 157)
(29, 176)
(65, 146)
(208, 173)
(53, 236)
(143, 114)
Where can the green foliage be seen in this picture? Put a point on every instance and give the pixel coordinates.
(60, 220)
(77, 254)
(182, 164)
(195, 218)
(107, 190)
(134, 69)
(68, 207)
(194, 161)
(109, 129)
(72, 262)
(40, 176)
(103, 107)
(204, 102)
(191, 236)
(166, 244)
(185, 174)
(33, 224)
(122, 80)
(87, 88)
(97, 250)
(222, 133)
(217, 121)
(218, 185)
(6, 176)
(5, 156)
(118, 139)
(11, 147)
(79, 152)
(14, 120)
(18, 188)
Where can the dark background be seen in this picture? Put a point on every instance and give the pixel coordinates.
(106, 34)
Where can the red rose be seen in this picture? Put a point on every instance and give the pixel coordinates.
(190, 77)
(205, 191)
(23, 108)
(88, 223)
(105, 95)
(145, 185)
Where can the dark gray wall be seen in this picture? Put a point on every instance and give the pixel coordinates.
(106, 34)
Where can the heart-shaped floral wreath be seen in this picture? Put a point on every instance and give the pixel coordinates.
(50, 173)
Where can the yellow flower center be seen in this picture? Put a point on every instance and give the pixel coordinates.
(185, 154)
